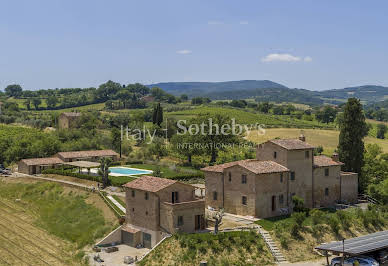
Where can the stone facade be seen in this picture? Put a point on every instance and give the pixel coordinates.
(156, 206)
(318, 180)
(68, 120)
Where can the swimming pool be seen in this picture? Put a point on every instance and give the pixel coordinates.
(126, 171)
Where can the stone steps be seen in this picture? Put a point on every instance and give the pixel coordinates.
(272, 246)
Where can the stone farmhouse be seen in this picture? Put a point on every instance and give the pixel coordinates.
(37, 165)
(263, 187)
(68, 120)
(156, 206)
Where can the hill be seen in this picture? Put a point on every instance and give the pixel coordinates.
(367, 93)
(193, 89)
(266, 90)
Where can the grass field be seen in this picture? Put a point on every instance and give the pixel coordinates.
(232, 248)
(328, 139)
(47, 224)
(245, 117)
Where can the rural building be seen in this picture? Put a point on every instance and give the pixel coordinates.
(155, 206)
(37, 165)
(283, 168)
(95, 155)
(68, 120)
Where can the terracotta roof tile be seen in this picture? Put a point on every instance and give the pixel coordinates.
(255, 166)
(83, 154)
(292, 144)
(42, 161)
(322, 160)
(150, 183)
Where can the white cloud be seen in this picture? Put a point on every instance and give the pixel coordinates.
(184, 52)
(215, 22)
(285, 58)
(244, 22)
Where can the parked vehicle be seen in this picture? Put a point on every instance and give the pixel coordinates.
(351, 261)
(381, 256)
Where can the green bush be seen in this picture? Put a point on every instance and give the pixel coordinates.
(317, 216)
(299, 217)
(334, 224)
(345, 219)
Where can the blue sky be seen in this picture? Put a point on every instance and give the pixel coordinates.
(301, 44)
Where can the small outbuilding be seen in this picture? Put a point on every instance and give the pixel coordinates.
(37, 165)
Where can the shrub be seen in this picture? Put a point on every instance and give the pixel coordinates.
(345, 219)
(299, 218)
(317, 216)
(334, 224)
(294, 230)
(298, 204)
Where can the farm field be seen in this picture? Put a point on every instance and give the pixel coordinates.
(47, 224)
(328, 139)
(246, 117)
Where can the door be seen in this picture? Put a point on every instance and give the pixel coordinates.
(146, 240)
(273, 203)
(199, 222)
(127, 238)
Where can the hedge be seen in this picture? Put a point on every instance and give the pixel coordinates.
(116, 181)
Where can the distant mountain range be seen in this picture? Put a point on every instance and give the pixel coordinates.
(266, 90)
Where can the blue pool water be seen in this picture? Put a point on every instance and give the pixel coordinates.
(128, 171)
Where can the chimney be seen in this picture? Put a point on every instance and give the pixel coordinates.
(302, 137)
(335, 157)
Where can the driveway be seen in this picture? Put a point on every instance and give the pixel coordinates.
(117, 258)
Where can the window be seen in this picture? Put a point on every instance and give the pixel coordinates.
(174, 197)
(281, 199)
(275, 154)
(326, 171)
(281, 178)
(133, 209)
(133, 193)
(180, 220)
(146, 195)
(244, 200)
(244, 179)
(146, 213)
(307, 154)
(215, 195)
(273, 203)
(326, 191)
(230, 177)
(292, 175)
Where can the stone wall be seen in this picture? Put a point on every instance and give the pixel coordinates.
(330, 182)
(214, 183)
(349, 187)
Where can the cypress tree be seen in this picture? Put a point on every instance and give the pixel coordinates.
(353, 129)
(159, 115)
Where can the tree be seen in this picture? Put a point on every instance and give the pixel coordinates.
(14, 90)
(326, 115)
(104, 170)
(27, 103)
(381, 130)
(157, 116)
(51, 101)
(184, 97)
(116, 139)
(353, 129)
(36, 102)
(264, 107)
(184, 146)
